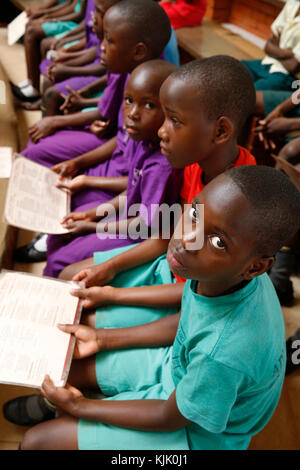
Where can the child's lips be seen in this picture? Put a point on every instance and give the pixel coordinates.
(173, 258)
(164, 149)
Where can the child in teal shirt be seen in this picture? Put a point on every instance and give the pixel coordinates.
(210, 376)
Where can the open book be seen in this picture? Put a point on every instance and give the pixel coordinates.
(33, 202)
(16, 29)
(31, 345)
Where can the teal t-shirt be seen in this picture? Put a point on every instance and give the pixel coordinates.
(228, 363)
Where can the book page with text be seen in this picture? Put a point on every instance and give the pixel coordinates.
(31, 345)
(5, 162)
(16, 29)
(33, 202)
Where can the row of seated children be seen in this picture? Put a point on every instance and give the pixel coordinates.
(209, 386)
(72, 64)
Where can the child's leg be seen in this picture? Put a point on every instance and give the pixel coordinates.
(34, 35)
(52, 100)
(69, 272)
(58, 434)
(291, 151)
(45, 46)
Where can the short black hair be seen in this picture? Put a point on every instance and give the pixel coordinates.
(225, 87)
(148, 21)
(276, 203)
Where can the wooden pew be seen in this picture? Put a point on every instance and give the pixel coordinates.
(211, 39)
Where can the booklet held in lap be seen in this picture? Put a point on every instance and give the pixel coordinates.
(33, 202)
(31, 345)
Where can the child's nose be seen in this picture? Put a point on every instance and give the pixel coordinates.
(102, 46)
(133, 113)
(162, 133)
(190, 241)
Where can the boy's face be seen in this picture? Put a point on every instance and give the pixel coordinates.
(101, 6)
(118, 47)
(187, 136)
(228, 248)
(143, 114)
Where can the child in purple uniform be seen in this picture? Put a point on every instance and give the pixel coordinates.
(131, 37)
(151, 178)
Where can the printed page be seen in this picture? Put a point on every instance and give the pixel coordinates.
(16, 29)
(31, 345)
(33, 202)
(5, 162)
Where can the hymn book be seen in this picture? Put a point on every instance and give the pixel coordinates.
(31, 345)
(33, 202)
(6, 154)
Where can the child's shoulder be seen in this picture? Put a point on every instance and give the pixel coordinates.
(245, 333)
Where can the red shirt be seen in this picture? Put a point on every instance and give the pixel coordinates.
(183, 14)
(193, 185)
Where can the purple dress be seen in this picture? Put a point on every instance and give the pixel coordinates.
(66, 144)
(91, 40)
(151, 180)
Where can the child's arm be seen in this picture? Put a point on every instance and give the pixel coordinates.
(105, 183)
(142, 415)
(80, 223)
(49, 125)
(77, 100)
(81, 57)
(74, 166)
(60, 11)
(147, 415)
(273, 50)
(69, 14)
(164, 295)
(59, 72)
(142, 253)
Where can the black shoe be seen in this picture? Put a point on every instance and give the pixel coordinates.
(29, 254)
(28, 410)
(17, 92)
(293, 353)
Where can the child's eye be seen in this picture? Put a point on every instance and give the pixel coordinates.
(194, 214)
(128, 100)
(149, 105)
(217, 242)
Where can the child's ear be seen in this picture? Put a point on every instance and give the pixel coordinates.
(258, 267)
(141, 52)
(224, 130)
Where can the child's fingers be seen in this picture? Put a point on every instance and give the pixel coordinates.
(68, 328)
(272, 144)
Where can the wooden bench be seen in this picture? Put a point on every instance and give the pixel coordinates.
(212, 39)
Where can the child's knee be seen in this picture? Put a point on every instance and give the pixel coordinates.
(32, 440)
(50, 95)
(67, 273)
(290, 150)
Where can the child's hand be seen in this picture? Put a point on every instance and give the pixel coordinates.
(57, 72)
(73, 102)
(87, 216)
(72, 186)
(277, 126)
(78, 228)
(65, 398)
(99, 128)
(93, 297)
(276, 113)
(87, 340)
(41, 129)
(96, 275)
(65, 169)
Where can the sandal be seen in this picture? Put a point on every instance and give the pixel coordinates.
(29, 410)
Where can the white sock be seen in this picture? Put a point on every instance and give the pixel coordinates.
(24, 83)
(41, 244)
(30, 92)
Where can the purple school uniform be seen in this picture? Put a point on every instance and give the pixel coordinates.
(67, 143)
(91, 37)
(151, 180)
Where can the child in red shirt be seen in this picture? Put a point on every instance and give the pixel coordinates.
(184, 12)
